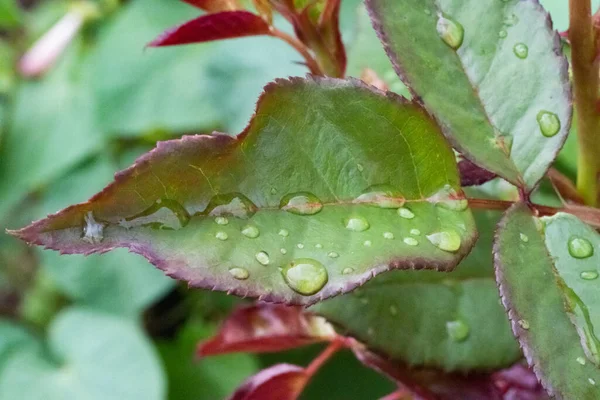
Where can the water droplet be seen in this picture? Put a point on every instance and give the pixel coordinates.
(502, 34)
(357, 224)
(521, 50)
(305, 276)
(411, 241)
(284, 232)
(451, 32)
(523, 323)
(388, 235)
(449, 199)
(415, 232)
(302, 203)
(360, 167)
(221, 235)
(589, 275)
(427, 11)
(548, 122)
(332, 254)
(370, 331)
(163, 214)
(581, 360)
(457, 330)
(445, 240)
(511, 20)
(580, 247)
(221, 221)
(540, 225)
(250, 231)
(318, 246)
(239, 273)
(364, 301)
(393, 310)
(232, 204)
(300, 245)
(405, 213)
(367, 243)
(93, 231)
(262, 257)
(347, 271)
(382, 196)
(283, 251)
(273, 190)
(524, 237)
(591, 381)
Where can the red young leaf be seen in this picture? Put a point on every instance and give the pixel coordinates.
(213, 6)
(267, 328)
(472, 174)
(279, 382)
(218, 26)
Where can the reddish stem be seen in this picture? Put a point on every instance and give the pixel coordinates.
(318, 362)
(311, 63)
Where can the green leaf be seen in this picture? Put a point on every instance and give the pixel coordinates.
(543, 290)
(488, 71)
(246, 197)
(10, 15)
(88, 356)
(419, 316)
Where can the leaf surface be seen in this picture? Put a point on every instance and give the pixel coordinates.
(279, 382)
(491, 72)
(227, 213)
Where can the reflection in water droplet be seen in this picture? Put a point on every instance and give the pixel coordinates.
(382, 196)
(581, 360)
(580, 247)
(347, 271)
(411, 241)
(589, 275)
(300, 245)
(284, 232)
(502, 34)
(415, 232)
(357, 224)
(305, 276)
(232, 204)
(332, 254)
(283, 251)
(93, 231)
(239, 273)
(302, 203)
(451, 32)
(221, 236)
(548, 122)
(445, 240)
(262, 257)
(405, 213)
(388, 235)
(523, 323)
(521, 50)
(163, 214)
(221, 221)
(449, 199)
(367, 243)
(393, 310)
(524, 237)
(250, 231)
(457, 330)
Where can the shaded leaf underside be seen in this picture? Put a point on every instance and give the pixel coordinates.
(332, 138)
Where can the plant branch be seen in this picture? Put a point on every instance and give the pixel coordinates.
(585, 88)
(311, 63)
(564, 187)
(318, 362)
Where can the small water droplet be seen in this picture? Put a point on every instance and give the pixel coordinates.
(445, 240)
(580, 247)
(347, 270)
(250, 231)
(457, 330)
(305, 276)
(360, 167)
(524, 237)
(262, 257)
(589, 275)
(388, 235)
(93, 231)
(540, 225)
(284, 232)
(370, 331)
(411, 241)
(382, 196)
(523, 323)
(273, 190)
(521, 50)
(318, 246)
(393, 310)
(367, 243)
(502, 34)
(357, 224)
(239, 273)
(221, 235)
(302, 203)
(548, 122)
(591, 381)
(405, 213)
(451, 32)
(581, 360)
(283, 251)
(232, 204)
(221, 221)
(427, 11)
(448, 198)
(300, 245)
(415, 232)
(332, 254)
(511, 20)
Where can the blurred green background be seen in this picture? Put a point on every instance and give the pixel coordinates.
(112, 326)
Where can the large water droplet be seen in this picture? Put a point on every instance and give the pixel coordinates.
(405, 213)
(163, 214)
(450, 199)
(521, 50)
(411, 241)
(357, 224)
(589, 275)
(262, 257)
(580, 247)
(305, 276)
(250, 231)
(548, 122)
(382, 196)
(239, 273)
(93, 231)
(451, 31)
(302, 203)
(221, 235)
(445, 240)
(231, 204)
(457, 330)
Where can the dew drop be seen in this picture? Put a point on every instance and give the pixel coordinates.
(511, 20)
(367, 243)
(318, 246)
(548, 122)
(239, 273)
(357, 224)
(93, 231)
(382, 196)
(283, 251)
(284, 232)
(305, 276)
(411, 241)
(521, 50)
(449, 199)
(415, 232)
(393, 310)
(273, 190)
(360, 167)
(427, 11)
(347, 271)
(581, 360)
(370, 331)
(302, 203)
(445, 240)
(580, 247)
(364, 301)
(221, 221)
(524, 237)
(250, 231)
(300, 245)
(502, 34)
(221, 235)
(332, 254)
(457, 330)
(232, 204)
(405, 213)
(451, 32)
(262, 257)
(591, 381)
(589, 275)
(388, 235)
(523, 323)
